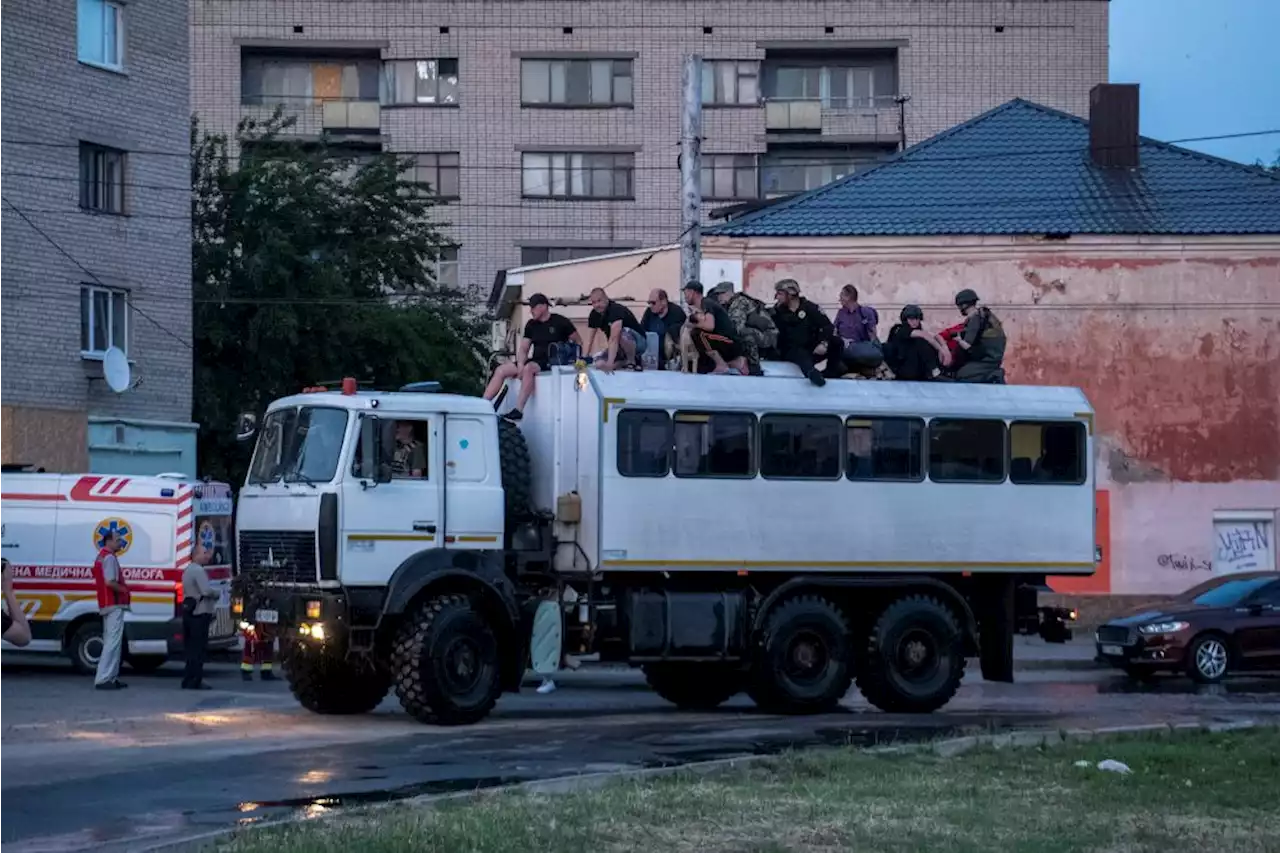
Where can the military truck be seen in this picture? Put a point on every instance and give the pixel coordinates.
(724, 534)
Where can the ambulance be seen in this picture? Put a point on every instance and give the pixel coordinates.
(53, 527)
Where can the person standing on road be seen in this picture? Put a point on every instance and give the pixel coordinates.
(17, 631)
(113, 603)
(199, 599)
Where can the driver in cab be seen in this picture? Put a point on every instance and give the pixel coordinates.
(410, 457)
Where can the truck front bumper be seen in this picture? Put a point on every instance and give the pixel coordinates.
(308, 614)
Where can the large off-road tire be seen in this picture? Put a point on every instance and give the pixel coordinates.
(914, 657)
(803, 661)
(517, 479)
(695, 686)
(326, 684)
(446, 663)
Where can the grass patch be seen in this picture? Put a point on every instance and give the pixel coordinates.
(1195, 791)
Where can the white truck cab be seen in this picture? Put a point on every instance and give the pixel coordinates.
(724, 533)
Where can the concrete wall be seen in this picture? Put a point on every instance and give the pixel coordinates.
(955, 63)
(56, 102)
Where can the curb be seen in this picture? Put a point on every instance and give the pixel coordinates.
(948, 748)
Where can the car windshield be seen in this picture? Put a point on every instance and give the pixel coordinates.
(1230, 592)
(299, 445)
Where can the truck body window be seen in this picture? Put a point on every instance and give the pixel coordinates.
(1045, 452)
(885, 449)
(644, 443)
(800, 447)
(714, 444)
(966, 451)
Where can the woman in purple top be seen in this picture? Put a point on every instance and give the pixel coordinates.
(856, 326)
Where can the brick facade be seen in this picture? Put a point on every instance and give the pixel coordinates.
(57, 102)
(954, 60)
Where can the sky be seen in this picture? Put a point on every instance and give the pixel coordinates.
(1206, 68)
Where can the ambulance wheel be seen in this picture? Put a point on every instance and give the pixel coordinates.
(802, 664)
(85, 647)
(914, 658)
(326, 684)
(695, 686)
(146, 663)
(513, 458)
(446, 663)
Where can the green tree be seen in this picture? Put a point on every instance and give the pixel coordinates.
(307, 267)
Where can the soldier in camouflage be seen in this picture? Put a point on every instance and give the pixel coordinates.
(750, 318)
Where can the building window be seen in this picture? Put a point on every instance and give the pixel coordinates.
(530, 255)
(297, 81)
(1046, 452)
(438, 172)
(835, 86)
(101, 178)
(100, 33)
(800, 447)
(729, 176)
(800, 172)
(966, 451)
(104, 320)
(445, 268)
(714, 444)
(730, 82)
(644, 443)
(884, 449)
(575, 82)
(578, 175)
(420, 82)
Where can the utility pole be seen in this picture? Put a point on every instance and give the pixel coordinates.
(690, 173)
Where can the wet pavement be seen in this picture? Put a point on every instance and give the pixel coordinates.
(84, 771)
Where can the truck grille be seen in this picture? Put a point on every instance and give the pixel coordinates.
(292, 551)
(1113, 634)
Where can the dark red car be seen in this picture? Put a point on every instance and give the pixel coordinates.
(1228, 624)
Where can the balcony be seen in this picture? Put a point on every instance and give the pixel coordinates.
(351, 116)
(864, 119)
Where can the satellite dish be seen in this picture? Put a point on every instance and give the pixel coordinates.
(115, 369)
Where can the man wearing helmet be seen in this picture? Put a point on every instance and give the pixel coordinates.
(982, 342)
(751, 322)
(912, 353)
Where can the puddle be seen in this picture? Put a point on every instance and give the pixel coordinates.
(312, 806)
(1179, 686)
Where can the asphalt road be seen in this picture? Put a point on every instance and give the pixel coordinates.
(86, 770)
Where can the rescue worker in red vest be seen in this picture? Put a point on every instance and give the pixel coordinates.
(259, 649)
(113, 603)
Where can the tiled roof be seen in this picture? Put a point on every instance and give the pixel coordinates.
(1022, 168)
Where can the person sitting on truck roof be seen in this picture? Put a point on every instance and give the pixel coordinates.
(752, 324)
(624, 339)
(912, 353)
(547, 340)
(664, 319)
(982, 342)
(410, 457)
(855, 325)
(805, 333)
(712, 334)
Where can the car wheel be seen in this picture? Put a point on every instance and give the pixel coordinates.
(1208, 659)
(85, 647)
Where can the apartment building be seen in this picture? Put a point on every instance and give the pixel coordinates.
(552, 128)
(96, 235)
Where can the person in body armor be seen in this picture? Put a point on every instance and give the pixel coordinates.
(750, 317)
(913, 354)
(410, 457)
(981, 343)
(805, 333)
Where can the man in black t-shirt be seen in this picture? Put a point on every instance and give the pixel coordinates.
(545, 335)
(624, 339)
(714, 335)
(665, 319)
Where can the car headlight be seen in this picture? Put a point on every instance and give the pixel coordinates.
(1164, 627)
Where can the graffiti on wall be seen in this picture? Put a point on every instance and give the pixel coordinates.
(1243, 546)
(1184, 563)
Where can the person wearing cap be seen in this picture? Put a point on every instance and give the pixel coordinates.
(545, 335)
(805, 333)
(913, 354)
(981, 343)
(711, 334)
(752, 324)
(625, 341)
(664, 319)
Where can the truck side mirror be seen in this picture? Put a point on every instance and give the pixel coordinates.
(375, 449)
(246, 426)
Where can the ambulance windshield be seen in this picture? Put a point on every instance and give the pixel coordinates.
(299, 445)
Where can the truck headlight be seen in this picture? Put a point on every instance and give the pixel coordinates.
(313, 610)
(1165, 627)
(237, 605)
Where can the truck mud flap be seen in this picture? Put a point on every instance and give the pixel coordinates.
(996, 623)
(548, 638)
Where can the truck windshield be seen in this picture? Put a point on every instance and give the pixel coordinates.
(299, 445)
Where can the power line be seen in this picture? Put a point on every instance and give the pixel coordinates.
(93, 275)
